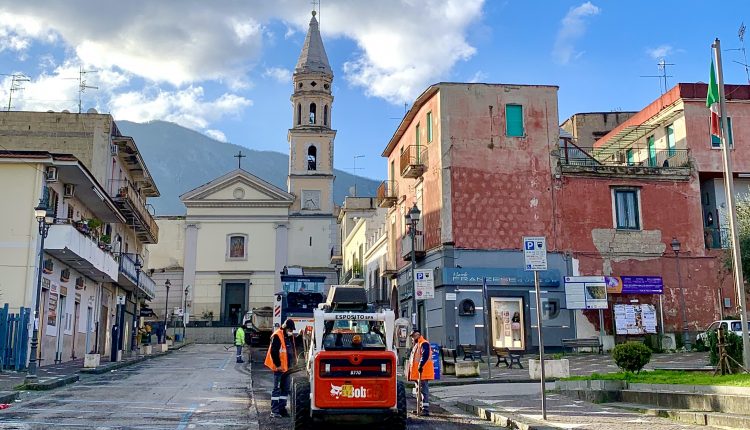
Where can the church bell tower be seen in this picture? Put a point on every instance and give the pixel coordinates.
(311, 137)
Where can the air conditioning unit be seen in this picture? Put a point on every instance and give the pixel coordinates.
(51, 174)
(113, 148)
(69, 190)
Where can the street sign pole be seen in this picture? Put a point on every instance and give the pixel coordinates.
(535, 258)
(485, 308)
(541, 342)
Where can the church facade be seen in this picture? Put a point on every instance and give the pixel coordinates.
(241, 232)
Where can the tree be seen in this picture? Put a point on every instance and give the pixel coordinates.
(743, 237)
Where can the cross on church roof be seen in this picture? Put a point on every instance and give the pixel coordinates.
(239, 158)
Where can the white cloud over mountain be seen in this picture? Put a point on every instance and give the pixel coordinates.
(170, 50)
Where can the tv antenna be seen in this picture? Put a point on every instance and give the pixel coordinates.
(16, 80)
(354, 172)
(662, 64)
(82, 85)
(406, 109)
(741, 35)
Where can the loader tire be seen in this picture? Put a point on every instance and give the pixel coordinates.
(398, 421)
(300, 407)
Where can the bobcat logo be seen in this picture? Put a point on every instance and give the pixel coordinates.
(348, 391)
(336, 391)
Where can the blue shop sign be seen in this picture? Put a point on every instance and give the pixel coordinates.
(500, 277)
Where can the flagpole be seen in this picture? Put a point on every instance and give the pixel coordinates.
(729, 188)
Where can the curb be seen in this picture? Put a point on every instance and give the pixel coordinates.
(8, 396)
(51, 383)
(478, 382)
(495, 417)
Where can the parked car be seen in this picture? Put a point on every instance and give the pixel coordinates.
(733, 325)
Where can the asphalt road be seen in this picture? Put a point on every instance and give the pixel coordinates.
(439, 419)
(198, 387)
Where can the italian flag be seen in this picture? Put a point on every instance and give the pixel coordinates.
(712, 102)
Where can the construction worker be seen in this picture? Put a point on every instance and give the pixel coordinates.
(282, 355)
(239, 342)
(421, 370)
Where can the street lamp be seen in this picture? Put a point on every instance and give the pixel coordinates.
(134, 336)
(685, 337)
(412, 218)
(184, 312)
(45, 219)
(166, 308)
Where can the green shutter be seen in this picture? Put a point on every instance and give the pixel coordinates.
(416, 139)
(514, 121)
(651, 152)
(716, 140)
(429, 127)
(670, 141)
(629, 155)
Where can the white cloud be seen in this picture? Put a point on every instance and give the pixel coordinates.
(572, 28)
(479, 76)
(660, 51)
(186, 107)
(279, 74)
(217, 135)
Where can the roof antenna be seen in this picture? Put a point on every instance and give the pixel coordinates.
(15, 85)
(82, 85)
(741, 35)
(662, 64)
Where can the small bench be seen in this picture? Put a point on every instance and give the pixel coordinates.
(471, 352)
(590, 342)
(504, 354)
(449, 358)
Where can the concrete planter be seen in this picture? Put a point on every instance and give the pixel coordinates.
(552, 369)
(467, 369)
(91, 361)
(169, 343)
(449, 368)
(146, 350)
(161, 347)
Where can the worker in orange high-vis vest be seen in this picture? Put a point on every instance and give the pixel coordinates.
(421, 370)
(282, 355)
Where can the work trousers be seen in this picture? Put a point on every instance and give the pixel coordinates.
(280, 392)
(424, 390)
(239, 353)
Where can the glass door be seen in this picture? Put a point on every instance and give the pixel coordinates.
(508, 327)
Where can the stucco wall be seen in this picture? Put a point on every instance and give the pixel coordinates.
(169, 252)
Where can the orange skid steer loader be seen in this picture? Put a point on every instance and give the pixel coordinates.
(350, 373)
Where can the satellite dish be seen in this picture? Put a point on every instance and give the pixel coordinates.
(50, 111)
(65, 111)
(91, 110)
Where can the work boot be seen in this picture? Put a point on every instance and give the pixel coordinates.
(284, 413)
(275, 415)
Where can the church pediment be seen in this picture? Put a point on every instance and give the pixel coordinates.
(237, 188)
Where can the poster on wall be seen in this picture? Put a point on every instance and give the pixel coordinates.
(52, 305)
(585, 292)
(635, 319)
(634, 284)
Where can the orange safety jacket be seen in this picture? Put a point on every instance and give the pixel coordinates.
(428, 370)
(282, 353)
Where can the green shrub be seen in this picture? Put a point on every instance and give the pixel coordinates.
(732, 344)
(631, 356)
(700, 345)
(652, 342)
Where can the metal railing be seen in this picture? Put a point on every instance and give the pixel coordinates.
(127, 268)
(124, 191)
(406, 245)
(414, 158)
(387, 193)
(633, 157)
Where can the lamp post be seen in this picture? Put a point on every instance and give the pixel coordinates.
(184, 313)
(412, 218)
(45, 219)
(134, 336)
(166, 308)
(685, 337)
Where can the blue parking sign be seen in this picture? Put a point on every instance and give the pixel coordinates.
(530, 245)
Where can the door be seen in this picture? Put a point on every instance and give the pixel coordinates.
(89, 311)
(508, 324)
(103, 330)
(234, 302)
(61, 320)
(76, 314)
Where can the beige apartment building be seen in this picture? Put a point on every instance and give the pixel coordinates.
(96, 184)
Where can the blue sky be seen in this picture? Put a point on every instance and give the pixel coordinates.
(223, 68)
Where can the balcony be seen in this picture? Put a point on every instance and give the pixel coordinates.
(387, 194)
(413, 161)
(352, 277)
(133, 206)
(81, 252)
(632, 157)
(127, 277)
(418, 246)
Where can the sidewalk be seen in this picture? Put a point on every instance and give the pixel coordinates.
(580, 365)
(519, 406)
(56, 375)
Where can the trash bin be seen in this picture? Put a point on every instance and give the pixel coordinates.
(177, 338)
(436, 359)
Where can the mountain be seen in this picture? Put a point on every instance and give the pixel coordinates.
(181, 159)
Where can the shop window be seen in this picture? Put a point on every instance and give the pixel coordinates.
(237, 247)
(466, 308)
(507, 323)
(514, 121)
(626, 208)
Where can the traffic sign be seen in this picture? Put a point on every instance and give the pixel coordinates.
(535, 253)
(424, 284)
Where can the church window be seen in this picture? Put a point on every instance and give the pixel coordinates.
(312, 113)
(237, 247)
(299, 114)
(325, 115)
(312, 158)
